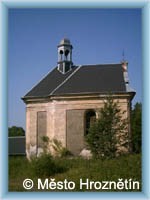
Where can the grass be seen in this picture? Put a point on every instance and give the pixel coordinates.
(125, 167)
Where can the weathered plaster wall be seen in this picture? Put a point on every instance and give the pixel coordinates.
(65, 121)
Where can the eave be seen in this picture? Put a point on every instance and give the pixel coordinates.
(79, 96)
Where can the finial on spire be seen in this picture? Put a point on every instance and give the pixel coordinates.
(124, 62)
(123, 55)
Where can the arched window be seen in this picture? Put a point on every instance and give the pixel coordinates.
(90, 117)
(61, 55)
(66, 53)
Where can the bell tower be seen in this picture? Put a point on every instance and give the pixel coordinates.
(65, 56)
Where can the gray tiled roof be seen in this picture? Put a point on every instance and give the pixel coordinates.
(101, 78)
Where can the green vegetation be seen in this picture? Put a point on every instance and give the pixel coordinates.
(45, 166)
(136, 127)
(60, 151)
(108, 131)
(16, 131)
(125, 167)
(56, 145)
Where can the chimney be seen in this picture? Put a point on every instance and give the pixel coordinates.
(125, 74)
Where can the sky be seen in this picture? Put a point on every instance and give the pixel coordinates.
(98, 36)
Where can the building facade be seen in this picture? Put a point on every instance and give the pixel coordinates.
(62, 104)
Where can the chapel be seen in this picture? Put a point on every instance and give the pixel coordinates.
(64, 103)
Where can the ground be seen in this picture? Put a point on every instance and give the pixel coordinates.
(124, 167)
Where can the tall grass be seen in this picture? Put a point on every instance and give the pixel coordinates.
(125, 167)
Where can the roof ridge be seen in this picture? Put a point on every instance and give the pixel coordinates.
(65, 80)
(101, 64)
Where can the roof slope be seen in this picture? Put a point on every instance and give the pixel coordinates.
(93, 79)
(49, 83)
(81, 79)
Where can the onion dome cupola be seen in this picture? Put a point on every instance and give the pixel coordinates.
(65, 56)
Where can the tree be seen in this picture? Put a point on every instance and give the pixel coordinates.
(109, 132)
(16, 131)
(136, 117)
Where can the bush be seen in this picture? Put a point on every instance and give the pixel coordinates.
(45, 166)
(109, 132)
(46, 141)
(59, 150)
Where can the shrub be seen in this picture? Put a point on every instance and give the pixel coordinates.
(45, 166)
(60, 151)
(56, 145)
(109, 132)
(46, 141)
(65, 152)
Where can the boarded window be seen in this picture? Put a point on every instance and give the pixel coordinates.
(41, 127)
(75, 131)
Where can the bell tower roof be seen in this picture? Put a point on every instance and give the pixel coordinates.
(65, 41)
